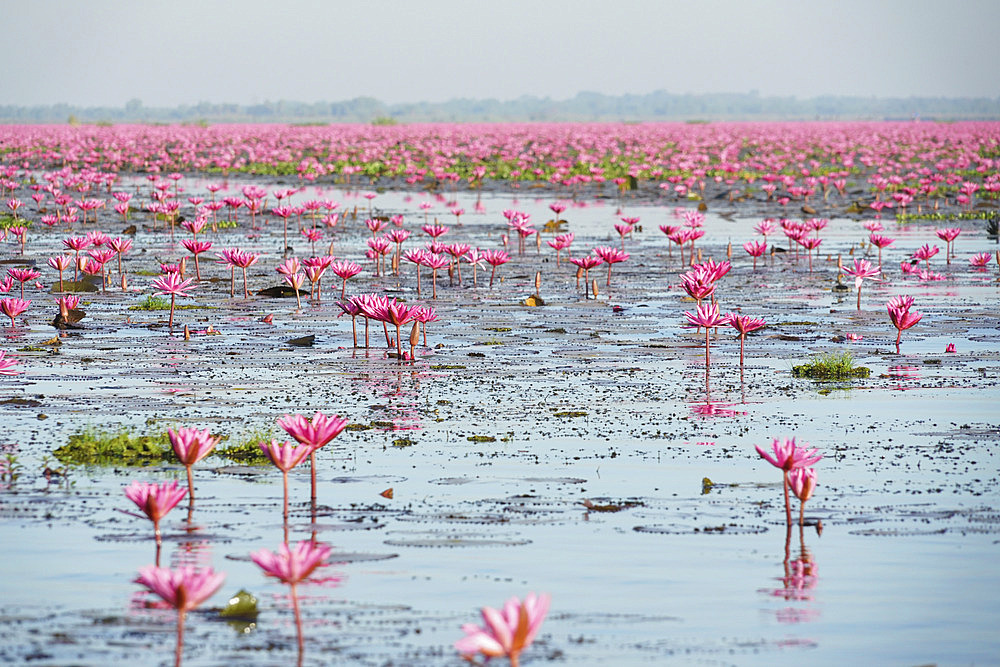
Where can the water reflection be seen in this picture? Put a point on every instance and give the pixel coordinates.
(401, 393)
(708, 408)
(800, 576)
(905, 377)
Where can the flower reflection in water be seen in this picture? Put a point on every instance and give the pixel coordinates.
(799, 580)
(905, 377)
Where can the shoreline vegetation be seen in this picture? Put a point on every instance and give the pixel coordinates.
(658, 106)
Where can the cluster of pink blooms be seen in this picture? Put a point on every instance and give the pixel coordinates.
(700, 282)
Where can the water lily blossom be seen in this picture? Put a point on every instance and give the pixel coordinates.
(505, 632)
(900, 315)
(191, 445)
(175, 286)
(183, 589)
(803, 483)
(314, 433)
(787, 456)
(155, 500)
(293, 566)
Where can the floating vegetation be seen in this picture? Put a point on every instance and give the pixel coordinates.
(831, 366)
(152, 303)
(612, 507)
(123, 448)
(403, 442)
(570, 413)
(448, 367)
(481, 438)
(247, 451)
(357, 427)
(940, 215)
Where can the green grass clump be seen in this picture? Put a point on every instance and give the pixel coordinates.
(93, 447)
(831, 366)
(152, 302)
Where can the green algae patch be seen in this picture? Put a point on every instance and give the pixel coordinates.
(93, 447)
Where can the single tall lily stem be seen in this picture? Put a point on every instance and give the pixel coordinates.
(788, 506)
(312, 476)
(298, 623)
(284, 511)
(179, 651)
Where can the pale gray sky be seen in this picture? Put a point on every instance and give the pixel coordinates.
(105, 52)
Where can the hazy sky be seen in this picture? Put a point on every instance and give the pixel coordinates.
(105, 52)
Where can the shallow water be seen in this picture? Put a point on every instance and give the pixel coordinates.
(586, 403)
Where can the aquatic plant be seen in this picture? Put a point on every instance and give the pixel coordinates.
(585, 264)
(7, 364)
(507, 631)
(184, 589)
(60, 263)
(611, 256)
(803, 483)
(707, 315)
(173, 285)
(862, 269)
(313, 433)
(755, 249)
(948, 235)
(155, 501)
(495, 258)
(191, 445)
(831, 366)
(787, 456)
(285, 456)
(23, 275)
(151, 303)
(900, 315)
(293, 566)
(122, 448)
(744, 324)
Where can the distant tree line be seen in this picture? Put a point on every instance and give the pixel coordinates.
(586, 106)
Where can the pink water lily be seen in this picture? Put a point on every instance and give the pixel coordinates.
(900, 315)
(314, 433)
(7, 364)
(505, 632)
(183, 589)
(707, 315)
(802, 482)
(285, 456)
(744, 324)
(12, 307)
(787, 456)
(862, 269)
(155, 501)
(293, 566)
(175, 286)
(191, 445)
